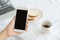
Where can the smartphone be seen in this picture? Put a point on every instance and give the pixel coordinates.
(20, 21)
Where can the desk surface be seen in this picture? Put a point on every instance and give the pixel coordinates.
(50, 10)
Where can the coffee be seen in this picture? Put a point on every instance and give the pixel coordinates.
(46, 24)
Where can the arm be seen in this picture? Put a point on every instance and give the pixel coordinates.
(3, 35)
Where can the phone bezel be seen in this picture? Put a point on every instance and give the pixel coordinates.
(20, 30)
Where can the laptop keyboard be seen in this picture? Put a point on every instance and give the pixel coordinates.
(6, 8)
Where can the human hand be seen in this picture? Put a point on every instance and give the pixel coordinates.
(9, 31)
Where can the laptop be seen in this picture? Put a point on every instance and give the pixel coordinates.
(5, 6)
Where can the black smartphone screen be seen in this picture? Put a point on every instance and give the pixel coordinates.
(20, 22)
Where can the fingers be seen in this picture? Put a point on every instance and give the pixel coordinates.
(14, 33)
(26, 26)
(10, 28)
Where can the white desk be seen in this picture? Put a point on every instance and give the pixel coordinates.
(50, 10)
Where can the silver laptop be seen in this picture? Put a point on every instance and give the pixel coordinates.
(5, 6)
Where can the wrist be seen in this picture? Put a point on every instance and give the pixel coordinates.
(3, 35)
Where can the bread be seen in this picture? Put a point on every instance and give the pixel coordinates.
(34, 13)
